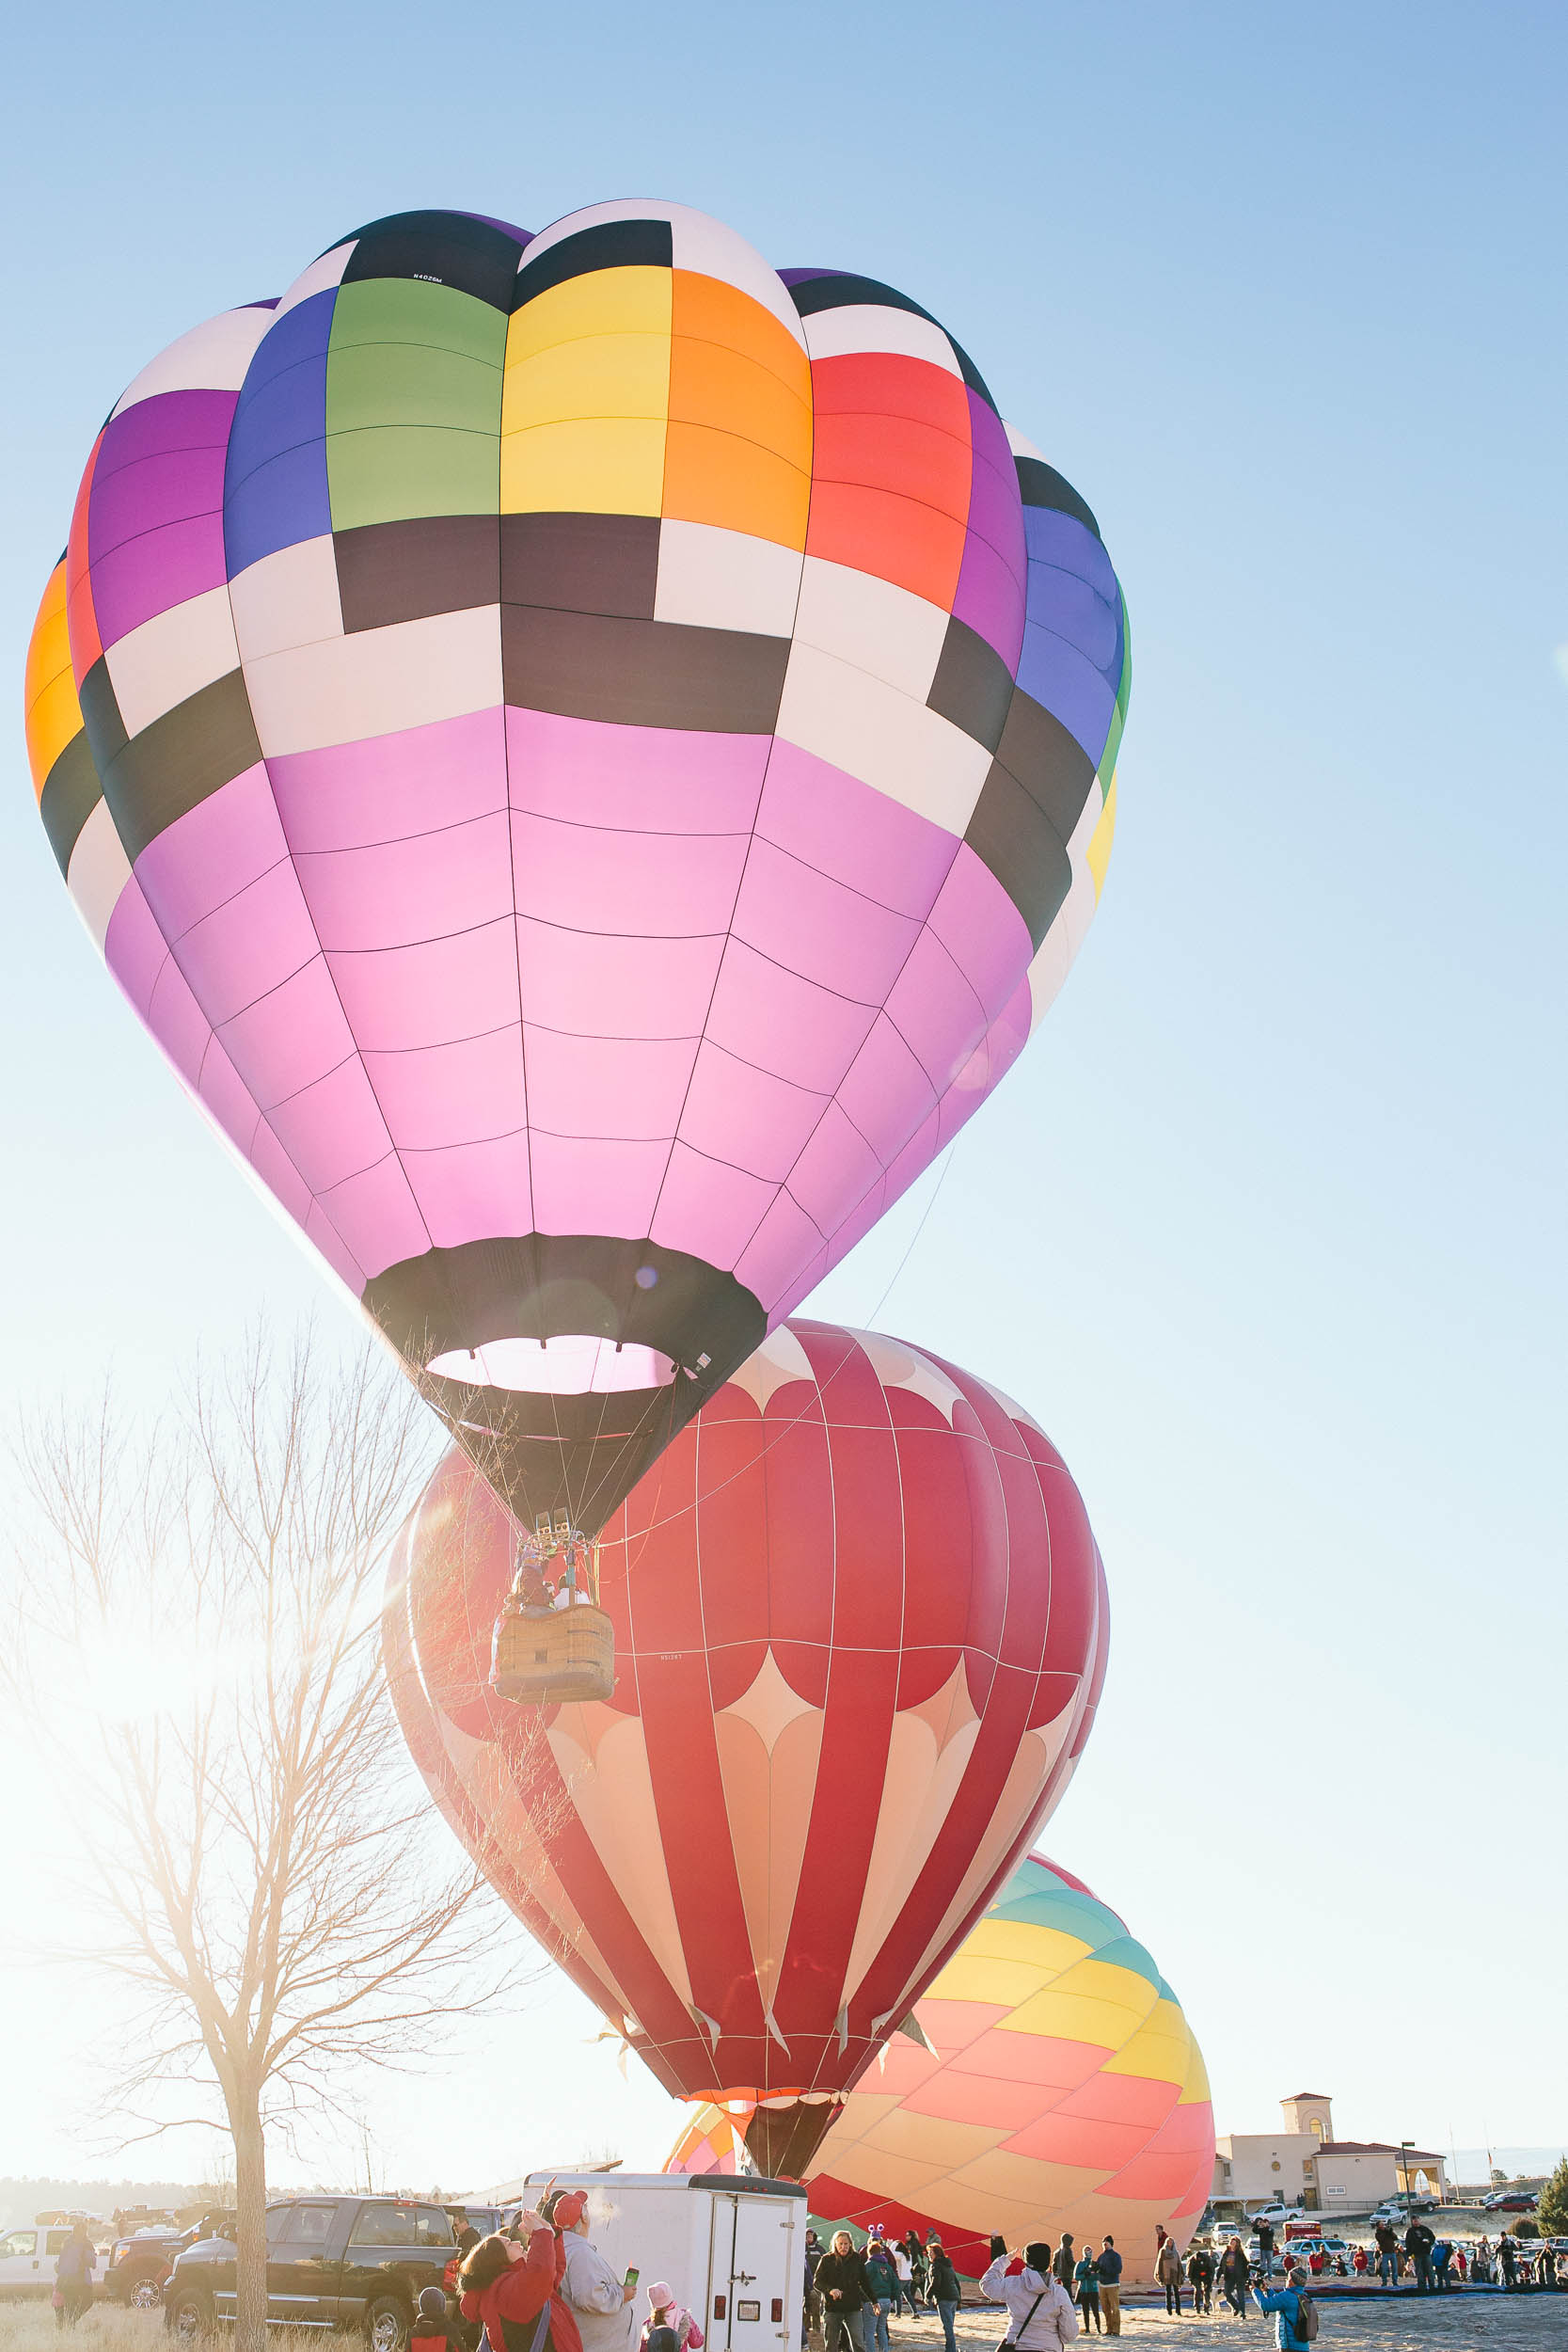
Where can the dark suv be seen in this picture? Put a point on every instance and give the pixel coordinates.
(332, 2262)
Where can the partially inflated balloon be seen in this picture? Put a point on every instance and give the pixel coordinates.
(860, 1624)
(1057, 2087)
(596, 752)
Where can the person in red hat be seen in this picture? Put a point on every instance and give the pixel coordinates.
(511, 2284)
(600, 2301)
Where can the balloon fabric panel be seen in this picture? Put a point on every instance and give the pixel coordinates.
(834, 1598)
(594, 756)
(1056, 2087)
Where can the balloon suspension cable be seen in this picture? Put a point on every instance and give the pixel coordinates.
(666, 1401)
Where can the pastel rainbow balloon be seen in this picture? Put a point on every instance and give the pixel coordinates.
(1061, 2090)
(590, 754)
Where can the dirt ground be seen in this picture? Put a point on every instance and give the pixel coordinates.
(1450, 2323)
(1394, 2323)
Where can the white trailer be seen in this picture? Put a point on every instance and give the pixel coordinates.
(734, 2248)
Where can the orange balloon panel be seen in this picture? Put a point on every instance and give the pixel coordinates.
(1061, 2090)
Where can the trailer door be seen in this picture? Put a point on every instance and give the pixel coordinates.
(750, 2272)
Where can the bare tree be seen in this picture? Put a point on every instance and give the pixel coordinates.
(197, 1648)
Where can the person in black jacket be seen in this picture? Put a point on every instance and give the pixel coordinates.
(1201, 2272)
(1108, 2264)
(945, 2291)
(1418, 2243)
(846, 2288)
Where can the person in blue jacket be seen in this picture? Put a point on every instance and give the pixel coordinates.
(1285, 2303)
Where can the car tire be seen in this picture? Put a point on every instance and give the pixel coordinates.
(388, 2323)
(188, 2315)
(143, 2294)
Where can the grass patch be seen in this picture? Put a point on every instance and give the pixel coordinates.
(27, 2324)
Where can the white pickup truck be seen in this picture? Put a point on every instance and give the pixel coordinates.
(28, 2256)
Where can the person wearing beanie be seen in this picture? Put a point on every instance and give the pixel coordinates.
(1042, 2315)
(431, 2330)
(599, 2297)
(1108, 2264)
(666, 2315)
(512, 2286)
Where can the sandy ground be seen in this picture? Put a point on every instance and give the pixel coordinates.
(1450, 2323)
(1397, 2323)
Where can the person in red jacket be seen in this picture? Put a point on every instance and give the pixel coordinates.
(515, 2291)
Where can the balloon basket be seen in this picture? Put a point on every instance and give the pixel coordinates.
(553, 1644)
(548, 1656)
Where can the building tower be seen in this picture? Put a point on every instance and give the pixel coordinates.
(1309, 2111)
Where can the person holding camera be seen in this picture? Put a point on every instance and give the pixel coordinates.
(1042, 2315)
(512, 2286)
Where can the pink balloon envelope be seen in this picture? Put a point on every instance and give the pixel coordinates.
(589, 755)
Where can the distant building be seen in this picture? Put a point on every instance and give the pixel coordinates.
(1304, 2165)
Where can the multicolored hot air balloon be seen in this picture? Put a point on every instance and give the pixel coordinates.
(862, 1628)
(1056, 2086)
(589, 755)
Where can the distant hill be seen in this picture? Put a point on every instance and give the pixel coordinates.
(1518, 2163)
(22, 2198)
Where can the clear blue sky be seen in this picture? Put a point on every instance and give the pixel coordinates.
(1268, 1227)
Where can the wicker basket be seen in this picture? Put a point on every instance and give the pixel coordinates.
(545, 1656)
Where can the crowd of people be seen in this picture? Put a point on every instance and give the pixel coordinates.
(852, 2292)
(1420, 2256)
(1054, 2294)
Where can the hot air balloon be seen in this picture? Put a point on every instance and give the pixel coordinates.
(591, 756)
(1056, 2086)
(862, 1627)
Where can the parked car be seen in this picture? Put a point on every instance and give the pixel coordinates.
(1509, 2200)
(344, 2261)
(1277, 2213)
(27, 2257)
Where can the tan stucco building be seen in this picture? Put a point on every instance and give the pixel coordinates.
(1304, 2165)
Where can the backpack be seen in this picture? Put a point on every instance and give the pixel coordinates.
(1306, 2318)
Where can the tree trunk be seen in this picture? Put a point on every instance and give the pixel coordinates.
(251, 2205)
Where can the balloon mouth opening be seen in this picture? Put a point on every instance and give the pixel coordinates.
(570, 1363)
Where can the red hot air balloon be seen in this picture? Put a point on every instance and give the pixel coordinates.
(861, 1621)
